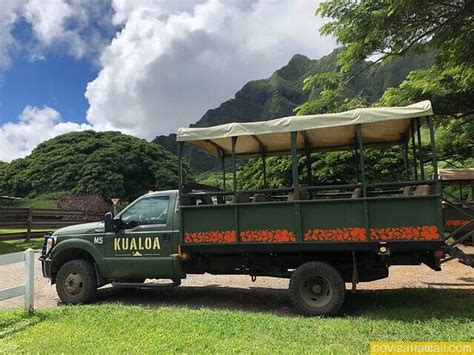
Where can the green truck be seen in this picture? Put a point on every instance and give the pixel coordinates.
(320, 236)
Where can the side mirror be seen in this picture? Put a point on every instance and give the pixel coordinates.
(108, 222)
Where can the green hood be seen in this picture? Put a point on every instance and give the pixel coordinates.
(84, 228)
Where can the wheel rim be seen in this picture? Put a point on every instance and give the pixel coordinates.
(316, 291)
(73, 284)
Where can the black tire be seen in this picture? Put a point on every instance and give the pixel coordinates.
(76, 282)
(317, 289)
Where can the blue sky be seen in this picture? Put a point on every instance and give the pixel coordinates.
(143, 67)
(57, 82)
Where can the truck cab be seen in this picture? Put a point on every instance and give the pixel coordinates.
(140, 242)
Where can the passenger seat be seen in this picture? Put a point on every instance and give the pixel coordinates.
(241, 197)
(422, 190)
(258, 198)
(407, 191)
(357, 193)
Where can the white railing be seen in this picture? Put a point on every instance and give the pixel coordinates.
(27, 288)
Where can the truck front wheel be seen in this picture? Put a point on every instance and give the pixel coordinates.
(76, 282)
(317, 289)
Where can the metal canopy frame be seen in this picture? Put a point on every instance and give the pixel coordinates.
(413, 136)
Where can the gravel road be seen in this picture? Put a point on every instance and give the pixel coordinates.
(237, 292)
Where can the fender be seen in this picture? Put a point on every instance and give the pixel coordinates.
(85, 245)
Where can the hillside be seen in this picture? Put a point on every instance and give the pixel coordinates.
(111, 164)
(282, 92)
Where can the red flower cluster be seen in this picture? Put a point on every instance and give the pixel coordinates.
(405, 233)
(268, 236)
(336, 234)
(224, 237)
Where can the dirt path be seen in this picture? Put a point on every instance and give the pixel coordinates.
(211, 290)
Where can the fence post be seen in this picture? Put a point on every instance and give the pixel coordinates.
(29, 280)
(29, 223)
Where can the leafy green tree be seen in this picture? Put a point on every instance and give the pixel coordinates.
(395, 31)
(109, 163)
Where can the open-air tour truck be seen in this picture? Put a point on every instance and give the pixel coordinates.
(457, 186)
(318, 236)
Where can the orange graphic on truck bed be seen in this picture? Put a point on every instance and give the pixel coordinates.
(268, 236)
(335, 234)
(350, 234)
(405, 233)
(455, 222)
(222, 237)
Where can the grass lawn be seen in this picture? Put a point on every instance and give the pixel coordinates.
(400, 315)
(37, 202)
(13, 246)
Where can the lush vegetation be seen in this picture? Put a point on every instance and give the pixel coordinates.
(404, 315)
(400, 32)
(108, 163)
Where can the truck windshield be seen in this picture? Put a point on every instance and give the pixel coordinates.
(151, 210)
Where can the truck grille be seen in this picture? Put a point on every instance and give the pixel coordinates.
(43, 246)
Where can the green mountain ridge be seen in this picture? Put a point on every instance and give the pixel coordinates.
(278, 96)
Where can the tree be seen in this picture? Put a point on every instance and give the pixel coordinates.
(108, 163)
(393, 28)
(396, 30)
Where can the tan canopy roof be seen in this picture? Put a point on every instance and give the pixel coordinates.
(466, 174)
(326, 131)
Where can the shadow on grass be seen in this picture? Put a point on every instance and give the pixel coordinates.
(19, 323)
(399, 304)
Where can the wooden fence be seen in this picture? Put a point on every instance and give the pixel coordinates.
(44, 220)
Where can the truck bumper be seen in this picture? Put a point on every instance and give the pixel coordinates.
(46, 267)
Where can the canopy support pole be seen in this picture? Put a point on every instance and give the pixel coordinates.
(361, 160)
(234, 168)
(356, 163)
(364, 182)
(307, 147)
(434, 157)
(294, 165)
(405, 158)
(264, 170)
(418, 133)
(263, 155)
(223, 172)
(180, 166)
(413, 145)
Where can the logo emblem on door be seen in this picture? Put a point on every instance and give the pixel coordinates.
(136, 245)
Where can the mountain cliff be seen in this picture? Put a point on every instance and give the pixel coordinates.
(278, 95)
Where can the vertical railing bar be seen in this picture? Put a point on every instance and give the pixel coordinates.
(418, 133)
(294, 166)
(363, 179)
(413, 145)
(29, 280)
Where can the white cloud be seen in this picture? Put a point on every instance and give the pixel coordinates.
(35, 125)
(8, 17)
(72, 26)
(169, 62)
(174, 60)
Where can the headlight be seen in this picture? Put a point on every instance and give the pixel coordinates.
(50, 243)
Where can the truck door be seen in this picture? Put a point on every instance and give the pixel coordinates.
(144, 239)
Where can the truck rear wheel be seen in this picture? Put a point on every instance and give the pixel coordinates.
(317, 289)
(76, 282)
